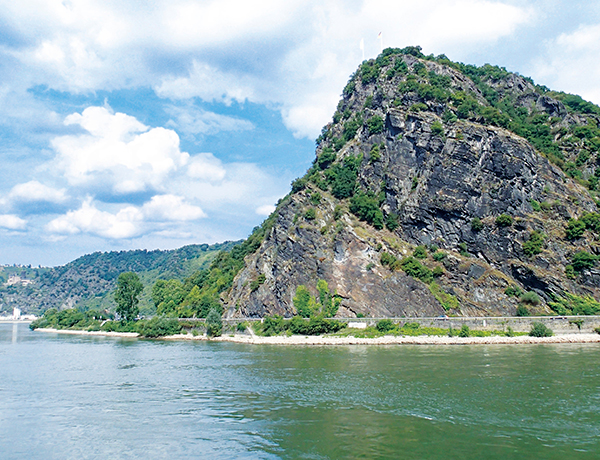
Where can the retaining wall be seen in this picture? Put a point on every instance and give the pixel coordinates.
(558, 324)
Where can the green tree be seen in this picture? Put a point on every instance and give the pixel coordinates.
(214, 323)
(129, 287)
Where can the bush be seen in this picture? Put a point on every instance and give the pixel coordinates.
(315, 326)
(420, 252)
(310, 214)
(390, 261)
(534, 244)
(504, 220)
(255, 284)
(391, 222)
(315, 198)
(374, 154)
(159, 326)
(530, 298)
(438, 256)
(418, 107)
(522, 311)
(338, 212)
(513, 291)
(343, 178)
(413, 267)
(437, 128)
(214, 324)
(575, 229)
(597, 330)
(305, 304)
(437, 272)
(476, 224)
(375, 124)
(298, 184)
(540, 330)
(326, 158)
(385, 325)
(583, 260)
(464, 331)
(365, 206)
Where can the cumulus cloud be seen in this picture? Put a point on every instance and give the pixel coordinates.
(117, 150)
(34, 191)
(127, 222)
(89, 219)
(171, 207)
(12, 222)
(570, 63)
(306, 80)
(205, 166)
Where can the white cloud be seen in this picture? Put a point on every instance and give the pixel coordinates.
(12, 222)
(265, 210)
(242, 186)
(192, 120)
(205, 166)
(295, 54)
(33, 191)
(89, 219)
(117, 151)
(127, 222)
(571, 63)
(171, 207)
(210, 84)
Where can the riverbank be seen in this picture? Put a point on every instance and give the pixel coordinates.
(93, 333)
(329, 340)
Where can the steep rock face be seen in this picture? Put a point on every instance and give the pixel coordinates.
(294, 255)
(431, 176)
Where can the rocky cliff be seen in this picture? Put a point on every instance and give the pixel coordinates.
(437, 188)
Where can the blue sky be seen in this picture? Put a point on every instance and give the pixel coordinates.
(132, 124)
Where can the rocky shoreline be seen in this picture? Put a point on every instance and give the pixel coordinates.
(328, 340)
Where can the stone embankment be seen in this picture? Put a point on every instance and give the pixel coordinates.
(558, 324)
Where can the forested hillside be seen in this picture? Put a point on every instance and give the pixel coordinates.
(89, 280)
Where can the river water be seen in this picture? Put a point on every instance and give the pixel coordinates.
(77, 397)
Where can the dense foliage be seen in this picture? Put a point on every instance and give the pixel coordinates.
(316, 325)
(128, 289)
(572, 304)
(200, 292)
(89, 281)
(308, 306)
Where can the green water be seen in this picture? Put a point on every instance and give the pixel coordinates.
(75, 397)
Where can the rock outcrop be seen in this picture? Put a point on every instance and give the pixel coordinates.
(453, 162)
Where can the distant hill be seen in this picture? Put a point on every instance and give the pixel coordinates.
(89, 280)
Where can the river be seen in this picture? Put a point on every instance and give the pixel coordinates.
(81, 397)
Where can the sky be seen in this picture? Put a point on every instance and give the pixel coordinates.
(137, 124)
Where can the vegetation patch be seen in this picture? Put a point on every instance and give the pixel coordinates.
(448, 301)
(571, 304)
(540, 330)
(307, 306)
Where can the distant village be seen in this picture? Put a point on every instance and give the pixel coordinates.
(17, 316)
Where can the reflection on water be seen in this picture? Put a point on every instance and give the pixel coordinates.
(95, 397)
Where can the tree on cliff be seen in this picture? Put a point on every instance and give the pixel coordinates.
(129, 287)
